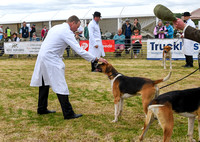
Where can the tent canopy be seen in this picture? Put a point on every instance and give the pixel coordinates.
(113, 12)
(195, 14)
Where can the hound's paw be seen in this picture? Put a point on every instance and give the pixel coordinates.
(114, 121)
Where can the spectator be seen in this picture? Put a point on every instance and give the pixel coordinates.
(127, 29)
(33, 30)
(44, 32)
(119, 42)
(8, 34)
(136, 42)
(86, 32)
(24, 32)
(188, 46)
(169, 30)
(15, 38)
(80, 30)
(160, 30)
(136, 25)
(1, 32)
(95, 42)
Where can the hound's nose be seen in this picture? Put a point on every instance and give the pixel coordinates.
(165, 51)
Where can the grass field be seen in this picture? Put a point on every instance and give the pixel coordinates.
(90, 94)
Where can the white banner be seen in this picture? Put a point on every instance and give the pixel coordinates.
(22, 47)
(155, 48)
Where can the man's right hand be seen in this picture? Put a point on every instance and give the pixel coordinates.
(179, 24)
(96, 46)
(103, 60)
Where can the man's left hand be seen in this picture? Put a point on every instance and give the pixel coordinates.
(103, 60)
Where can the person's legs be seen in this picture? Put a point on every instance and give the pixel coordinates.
(66, 106)
(190, 61)
(43, 99)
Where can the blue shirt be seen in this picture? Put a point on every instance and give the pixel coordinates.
(119, 39)
(170, 31)
(128, 31)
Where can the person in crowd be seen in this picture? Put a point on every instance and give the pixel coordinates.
(49, 69)
(8, 34)
(169, 30)
(119, 42)
(33, 30)
(24, 32)
(127, 29)
(188, 31)
(80, 30)
(95, 42)
(86, 32)
(15, 37)
(188, 45)
(136, 25)
(136, 42)
(159, 30)
(1, 32)
(44, 32)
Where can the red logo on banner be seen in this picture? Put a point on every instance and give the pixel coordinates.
(108, 45)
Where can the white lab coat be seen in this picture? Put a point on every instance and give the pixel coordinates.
(95, 39)
(49, 64)
(188, 45)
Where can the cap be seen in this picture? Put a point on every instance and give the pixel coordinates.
(127, 20)
(186, 14)
(97, 14)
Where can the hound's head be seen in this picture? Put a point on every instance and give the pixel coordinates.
(167, 49)
(107, 69)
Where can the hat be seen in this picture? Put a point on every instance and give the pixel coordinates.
(33, 24)
(164, 13)
(186, 14)
(97, 14)
(76, 31)
(127, 20)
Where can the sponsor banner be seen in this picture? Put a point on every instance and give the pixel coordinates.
(155, 48)
(22, 47)
(108, 45)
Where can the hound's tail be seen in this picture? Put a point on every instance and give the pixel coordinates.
(164, 79)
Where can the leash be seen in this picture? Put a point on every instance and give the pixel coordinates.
(180, 79)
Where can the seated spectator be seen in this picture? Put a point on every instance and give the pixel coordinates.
(160, 30)
(136, 42)
(15, 38)
(169, 30)
(119, 42)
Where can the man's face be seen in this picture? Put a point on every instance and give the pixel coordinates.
(186, 17)
(167, 24)
(24, 24)
(74, 26)
(127, 22)
(119, 31)
(97, 19)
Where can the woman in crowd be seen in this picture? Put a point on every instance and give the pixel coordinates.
(160, 30)
(136, 42)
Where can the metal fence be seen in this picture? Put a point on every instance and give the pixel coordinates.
(69, 53)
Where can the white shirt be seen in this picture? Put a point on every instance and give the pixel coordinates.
(95, 39)
(188, 45)
(1, 30)
(49, 64)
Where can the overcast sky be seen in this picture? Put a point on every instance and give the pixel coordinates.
(29, 6)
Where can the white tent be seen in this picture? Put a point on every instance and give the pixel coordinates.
(112, 17)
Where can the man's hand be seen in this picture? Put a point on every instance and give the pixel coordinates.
(103, 60)
(179, 24)
(96, 46)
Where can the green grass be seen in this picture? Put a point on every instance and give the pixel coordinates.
(90, 94)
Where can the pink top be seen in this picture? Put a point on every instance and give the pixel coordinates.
(136, 36)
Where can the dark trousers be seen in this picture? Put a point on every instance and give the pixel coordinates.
(189, 60)
(63, 99)
(136, 46)
(127, 44)
(93, 65)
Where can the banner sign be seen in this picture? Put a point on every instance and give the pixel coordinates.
(22, 47)
(108, 45)
(155, 48)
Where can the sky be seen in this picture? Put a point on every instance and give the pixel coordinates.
(28, 6)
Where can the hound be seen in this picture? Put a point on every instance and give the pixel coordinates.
(167, 54)
(125, 87)
(184, 102)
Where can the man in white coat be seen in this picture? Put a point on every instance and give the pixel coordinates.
(50, 69)
(188, 45)
(95, 42)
